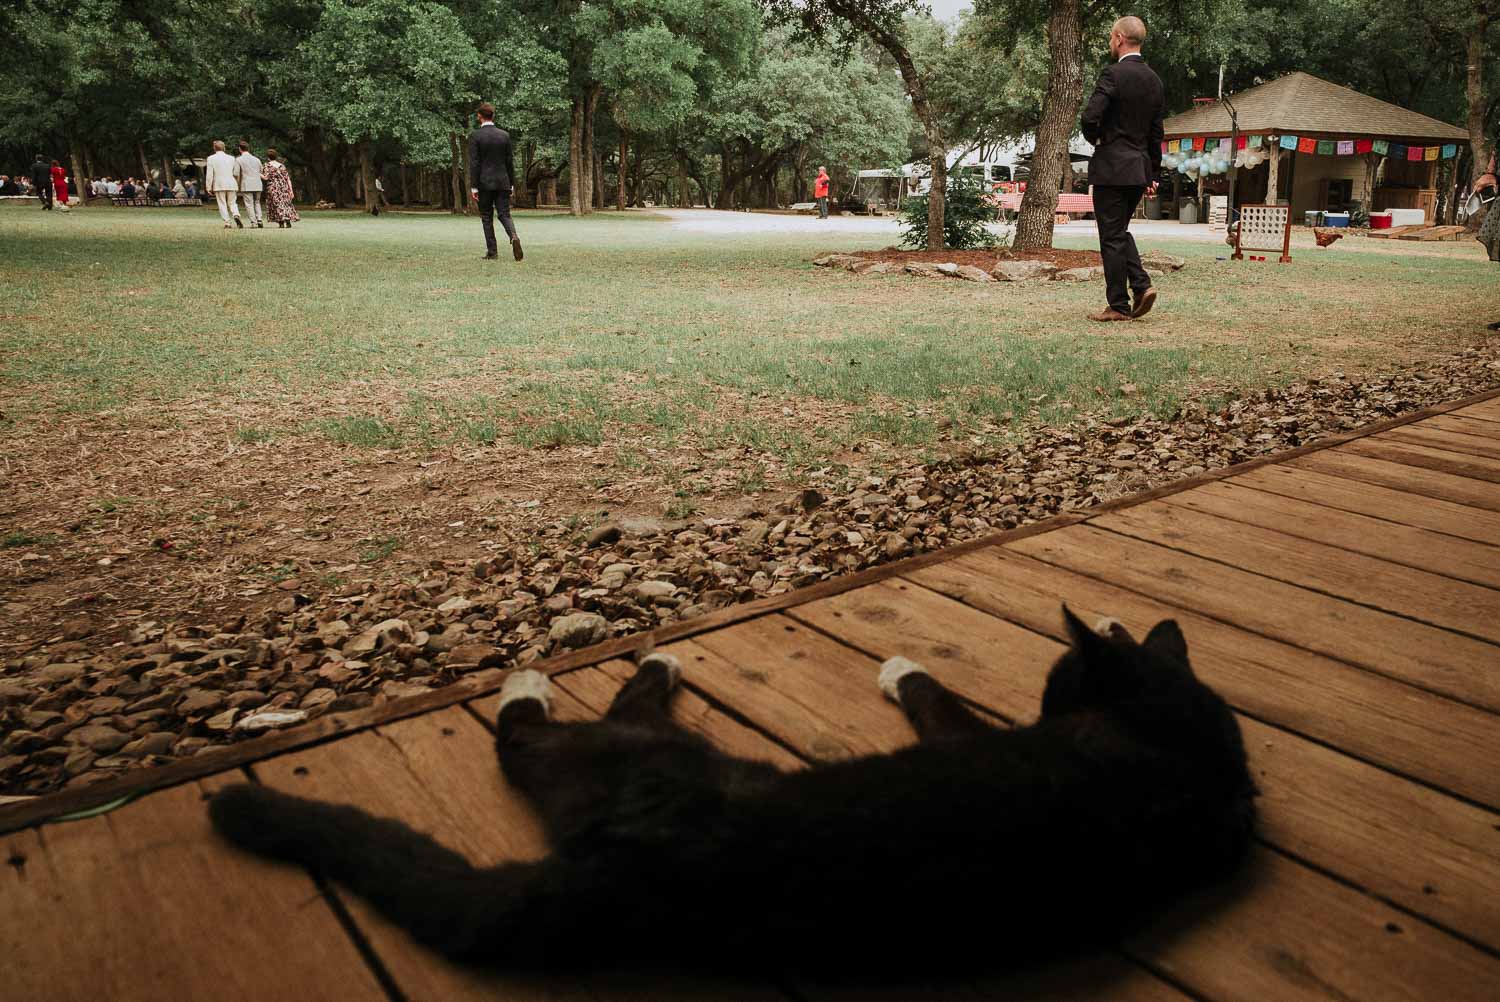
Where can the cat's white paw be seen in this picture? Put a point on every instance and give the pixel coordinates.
(667, 661)
(527, 684)
(1113, 629)
(893, 671)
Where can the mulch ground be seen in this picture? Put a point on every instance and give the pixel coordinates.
(984, 259)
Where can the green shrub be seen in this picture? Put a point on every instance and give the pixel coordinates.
(966, 216)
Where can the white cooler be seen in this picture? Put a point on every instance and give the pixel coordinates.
(1407, 217)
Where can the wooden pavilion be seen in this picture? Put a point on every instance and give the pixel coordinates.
(1326, 146)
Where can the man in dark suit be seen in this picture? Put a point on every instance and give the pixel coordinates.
(492, 172)
(1123, 120)
(41, 181)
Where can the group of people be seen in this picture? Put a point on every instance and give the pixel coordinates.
(264, 188)
(106, 187)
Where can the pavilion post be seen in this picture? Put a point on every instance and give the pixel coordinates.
(1273, 180)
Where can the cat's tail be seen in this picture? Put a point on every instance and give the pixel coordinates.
(424, 887)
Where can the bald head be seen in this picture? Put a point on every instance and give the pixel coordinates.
(1132, 29)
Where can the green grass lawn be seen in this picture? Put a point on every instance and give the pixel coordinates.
(626, 332)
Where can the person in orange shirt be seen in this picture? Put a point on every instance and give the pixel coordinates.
(820, 192)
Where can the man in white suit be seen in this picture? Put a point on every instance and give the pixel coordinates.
(221, 177)
(250, 185)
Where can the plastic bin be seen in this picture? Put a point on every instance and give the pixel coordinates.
(1335, 219)
(1311, 217)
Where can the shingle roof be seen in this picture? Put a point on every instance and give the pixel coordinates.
(1299, 103)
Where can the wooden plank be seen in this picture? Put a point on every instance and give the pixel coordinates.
(1086, 979)
(1456, 463)
(1435, 552)
(1378, 719)
(1414, 480)
(1480, 422)
(1288, 933)
(1416, 510)
(146, 903)
(1425, 656)
(1337, 920)
(1438, 438)
(438, 773)
(1299, 560)
(1418, 847)
(1465, 423)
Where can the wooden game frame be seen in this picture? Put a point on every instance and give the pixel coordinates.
(1286, 236)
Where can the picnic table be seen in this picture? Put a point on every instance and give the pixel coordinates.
(1068, 203)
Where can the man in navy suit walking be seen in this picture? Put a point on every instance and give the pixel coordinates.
(492, 173)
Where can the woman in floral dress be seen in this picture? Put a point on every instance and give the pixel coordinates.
(278, 182)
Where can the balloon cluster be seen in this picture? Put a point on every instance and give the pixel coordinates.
(1198, 162)
(1216, 161)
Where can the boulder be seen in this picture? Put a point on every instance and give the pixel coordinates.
(848, 261)
(380, 637)
(969, 273)
(947, 268)
(1022, 271)
(1080, 274)
(578, 630)
(924, 270)
(1163, 262)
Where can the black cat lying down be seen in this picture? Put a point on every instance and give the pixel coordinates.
(978, 847)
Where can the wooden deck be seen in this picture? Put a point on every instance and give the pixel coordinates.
(1344, 598)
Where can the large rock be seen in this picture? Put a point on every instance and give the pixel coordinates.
(1080, 274)
(847, 261)
(267, 720)
(947, 268)
(1164, 262)
(651, 590)
(924, 270)
(578, 630)
(60, 673)
(1022, 271)
(99, 738)
(969, 273)
(381, 636)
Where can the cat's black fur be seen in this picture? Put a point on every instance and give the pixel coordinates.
(979, 846)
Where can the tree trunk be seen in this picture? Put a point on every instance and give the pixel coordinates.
(455, 165)
(166, 171)
(80, 177)
(624, 170)
(1059, 112)
(405, 187)
(576, 166)
(140, 149)
(1474, 93)
(590, 162)
(1273, 177)
(598, 181)
(367, 178)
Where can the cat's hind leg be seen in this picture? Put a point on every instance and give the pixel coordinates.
(934, 711)
(644, 698)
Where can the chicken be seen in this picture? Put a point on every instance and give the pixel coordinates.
(1325, 235)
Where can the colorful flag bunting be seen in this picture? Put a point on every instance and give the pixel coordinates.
(1255, 142)
(1242, 142)
(1381, 147)
(1414, 153)
(1165, 146)
(1397, 151)
(1325, 147)
(1197, 142)
(1450, 151)
(1346, 147)
(1210, 145)
(1363, 145)
(1431, 153)
(1307, 145)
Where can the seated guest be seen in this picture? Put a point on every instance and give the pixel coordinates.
(153, 191)
(189, 190)
(179, 190)
(128, 189)
(9, 187)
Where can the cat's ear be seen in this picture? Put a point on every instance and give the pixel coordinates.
(1166, 640)
(1085, 641)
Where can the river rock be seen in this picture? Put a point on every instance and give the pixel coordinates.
(1022, 271)
(579, 629)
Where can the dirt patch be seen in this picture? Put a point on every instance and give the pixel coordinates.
(984, 259)
(276, 636)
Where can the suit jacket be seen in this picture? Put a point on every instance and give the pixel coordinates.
(249, 172)
(491, 162)
(221, 173)
(41, 174)
(1123, 120)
